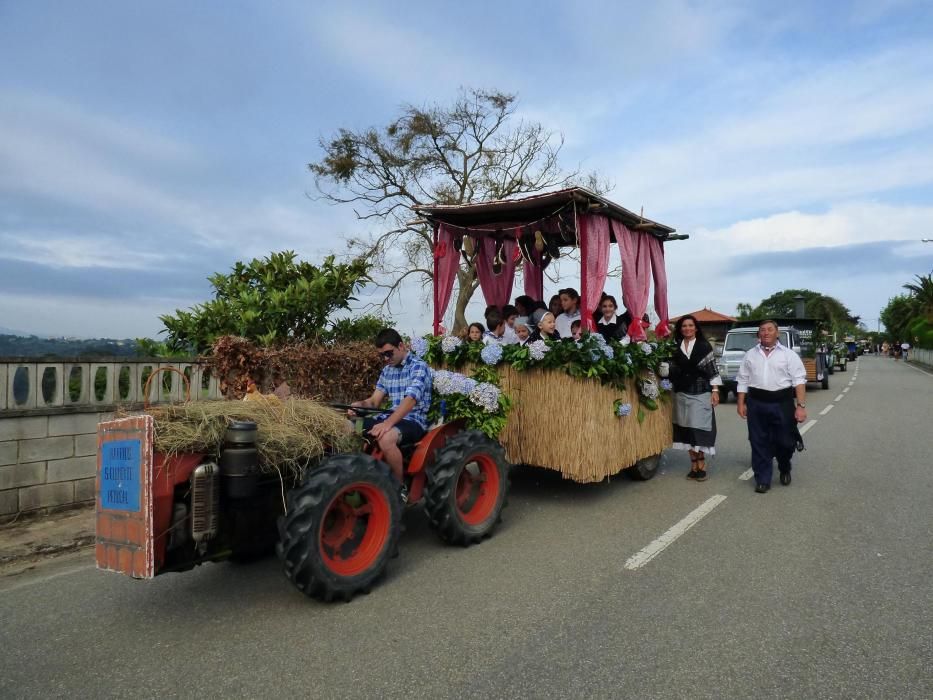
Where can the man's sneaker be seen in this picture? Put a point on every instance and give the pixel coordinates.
(701, 475)
(692, 474)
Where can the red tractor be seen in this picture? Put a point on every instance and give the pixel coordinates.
(343, 521)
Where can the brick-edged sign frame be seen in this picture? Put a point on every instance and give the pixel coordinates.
(125, 541)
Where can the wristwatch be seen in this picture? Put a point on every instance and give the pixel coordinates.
(801, 405)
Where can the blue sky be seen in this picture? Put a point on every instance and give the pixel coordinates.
(146, 146)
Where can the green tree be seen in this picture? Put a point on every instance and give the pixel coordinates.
(835, 315)
(471, 150)
(921, 295)
(897, 316)
(744, 311)
(271, 300)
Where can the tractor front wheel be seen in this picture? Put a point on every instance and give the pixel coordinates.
(341, 527)
(467, 488)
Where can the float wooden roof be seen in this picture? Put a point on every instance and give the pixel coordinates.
(527, 210)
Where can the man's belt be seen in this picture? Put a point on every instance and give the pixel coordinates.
(771, 396)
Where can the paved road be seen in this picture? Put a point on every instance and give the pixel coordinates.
(822, 589)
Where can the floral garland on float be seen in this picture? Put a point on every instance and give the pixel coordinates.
(479, 400)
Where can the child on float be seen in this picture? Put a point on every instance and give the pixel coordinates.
(495, 325)
(522, 330)
(570, 303)
(545, 327)
(607, 322)
(509, 313)
(475, 333)
(576, 330)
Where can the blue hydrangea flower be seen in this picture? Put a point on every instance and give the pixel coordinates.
(419, 346)
(666, 384)
(645, 348)
(486, 396)
(450, 343)
(624, 409)
(537, 350)
(607, 350)
(628, 359)
(491, 354)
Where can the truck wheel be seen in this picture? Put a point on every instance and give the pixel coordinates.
(842, 366)
(645, 468)
(341, 527)
(825, 381)
(467, 488)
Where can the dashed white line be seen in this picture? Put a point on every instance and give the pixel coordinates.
(852, 382)
(806, 426)
(839, 398)
(746, 475)
(643, 556)
(827, 409)
(846, 390)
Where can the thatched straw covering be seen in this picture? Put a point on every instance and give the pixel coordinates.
(568, 425)
(291, 433)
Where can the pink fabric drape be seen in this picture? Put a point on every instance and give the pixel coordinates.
(446, 264)
(533, 275)
(594, 264)
(659, 272)
(497, 289)
(636, 275)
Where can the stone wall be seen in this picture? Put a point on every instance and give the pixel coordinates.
(47, 461)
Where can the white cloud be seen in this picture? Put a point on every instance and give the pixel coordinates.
(57, 251)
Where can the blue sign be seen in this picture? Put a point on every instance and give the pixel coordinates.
(120, 478)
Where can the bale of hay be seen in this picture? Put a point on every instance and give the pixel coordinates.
(290, 433)
(568, 425)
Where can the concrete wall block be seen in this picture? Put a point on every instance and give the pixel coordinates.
(71, 469)
(8, 452)
(17, 475)
(85, 490)
(47, 495)
(46, 448)
(9, 502)
(58, 391)
(24, 428)
(73, 424)
(85, 445)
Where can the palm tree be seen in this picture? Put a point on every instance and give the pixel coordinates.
(921, 293)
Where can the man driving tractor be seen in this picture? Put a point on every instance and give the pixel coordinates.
(406, 380)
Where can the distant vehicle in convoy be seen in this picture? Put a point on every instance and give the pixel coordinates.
(840, 357)
(743, 338)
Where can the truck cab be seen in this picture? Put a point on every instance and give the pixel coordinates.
(738, 342)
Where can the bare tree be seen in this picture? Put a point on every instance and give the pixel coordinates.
(472, 150)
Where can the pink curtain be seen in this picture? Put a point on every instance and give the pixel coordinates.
(658, 270)
(533, 275)
(446, 264)
(593, 230)
(636, 275)
(497, 289)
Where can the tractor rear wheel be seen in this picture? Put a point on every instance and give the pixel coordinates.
(341, 528)
(467, 488)
(645, 468)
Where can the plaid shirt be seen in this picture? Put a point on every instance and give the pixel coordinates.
(411, 378)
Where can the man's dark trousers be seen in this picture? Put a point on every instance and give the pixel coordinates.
(770, 431)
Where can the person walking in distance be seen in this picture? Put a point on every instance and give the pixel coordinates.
(771, 392)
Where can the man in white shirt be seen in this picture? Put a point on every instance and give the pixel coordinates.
(775, 381)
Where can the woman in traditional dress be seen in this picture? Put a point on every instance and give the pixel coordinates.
(696, 383)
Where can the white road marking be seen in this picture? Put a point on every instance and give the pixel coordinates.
(638, 560)
(746, 475)
(846, 390)
(806, 426)
(827, 409)
(929, 374)
(852, 382)
(839, 398)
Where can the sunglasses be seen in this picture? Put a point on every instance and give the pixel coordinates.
(386, 354)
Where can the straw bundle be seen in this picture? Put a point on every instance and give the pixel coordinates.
(566, 424)
(291, 433)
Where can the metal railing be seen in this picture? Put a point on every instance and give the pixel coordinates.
(33, 384)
